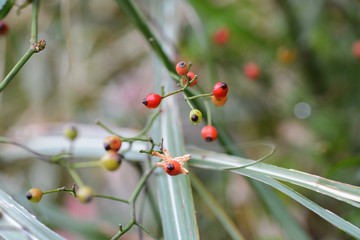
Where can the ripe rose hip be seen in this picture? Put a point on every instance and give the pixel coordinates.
(356, 49)
(220, 90)
(152, 100)
(182, 68)
(191, 76)
(252, 71)
(221, 36)
(209, 133)
(4, 28)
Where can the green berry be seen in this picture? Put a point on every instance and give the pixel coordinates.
(70, 132)
(195, 116)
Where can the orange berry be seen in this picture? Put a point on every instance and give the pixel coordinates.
(34, 195)
(182, 68)
(112, 143)
(173, 168)
(219, 101)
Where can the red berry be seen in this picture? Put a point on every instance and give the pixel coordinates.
(112, 143)
(209, 133)
(182, 68)
(191, 76)
(221, 36)
(220, 90)
(356, 49)
(219, 101)
(173, 168)
(152, 100)
(4, 28)
(252, 71)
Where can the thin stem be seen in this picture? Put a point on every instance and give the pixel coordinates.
(86, 164)
(33, 39)
(122, 231)
(34, 22)
(216, 208)
(76, 177)
(112, 198)
(137, 137)
(147, 231)
(272, 151)
(200, 96)
(208, 113)
(175, 92)
(188, 101)
(16, 68)
(140, 185)
(62, 189)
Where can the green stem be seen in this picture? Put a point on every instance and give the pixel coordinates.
(111, 198)
(140, 185)
(33, 39)
(143, 132)
(141, 23)
(86, 164)
(34, 22)
(175, 92)
(62, 189)
(123, 230)
(147, 231)
(216, 208)
(208, 113)
(76, 177)
(200, 96)
(16, 68)
(188, 101)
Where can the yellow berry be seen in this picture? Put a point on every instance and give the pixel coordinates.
(34, 195)
(85, 194)
(111, 160)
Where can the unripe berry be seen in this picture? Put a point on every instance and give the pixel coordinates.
(172, 168)
(195, 116)
(252, 71)
(112, 143)
(70, 132)
(191, 76)
(209, 133)
(85, 194)
(219, 101)
(182, 68)
(220, 90)
(4, 28)
(356, 49)
(111, 160)
(34, 195)
(152, 100)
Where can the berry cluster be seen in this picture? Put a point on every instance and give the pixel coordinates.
(189, 79)
(111, 160)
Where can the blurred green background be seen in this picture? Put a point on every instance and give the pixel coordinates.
(96, 65)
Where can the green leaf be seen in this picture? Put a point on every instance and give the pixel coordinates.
(17, 223)
(5, 7)
(266, 174)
